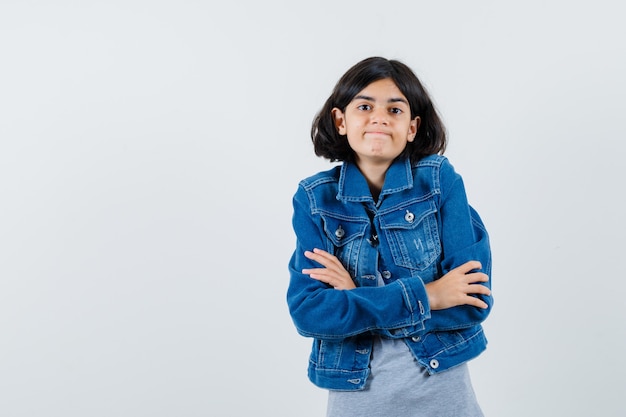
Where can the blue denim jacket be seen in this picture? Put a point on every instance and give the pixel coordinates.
(420, 228)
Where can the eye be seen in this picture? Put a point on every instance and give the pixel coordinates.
(364, 107)
(396, 110)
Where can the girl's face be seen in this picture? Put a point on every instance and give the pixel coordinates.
(377, 123)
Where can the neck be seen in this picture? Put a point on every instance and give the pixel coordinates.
(374, 175)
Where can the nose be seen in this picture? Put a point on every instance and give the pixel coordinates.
(380, 116)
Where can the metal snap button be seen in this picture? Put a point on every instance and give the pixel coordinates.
(339, 232)
(409, 217)
(416, 338)
(434, 363)
(386, 274)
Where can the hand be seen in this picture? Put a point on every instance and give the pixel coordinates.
(457, 286)
(333, 273)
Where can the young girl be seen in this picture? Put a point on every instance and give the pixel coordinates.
(391, 271)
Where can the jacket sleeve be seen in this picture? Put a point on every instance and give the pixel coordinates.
(464, 238)
(320, 311)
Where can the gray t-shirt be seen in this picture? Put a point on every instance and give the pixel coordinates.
(398, 386)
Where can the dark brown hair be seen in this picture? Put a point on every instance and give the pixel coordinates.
(431, 135)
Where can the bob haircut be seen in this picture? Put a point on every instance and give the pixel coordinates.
(431, 135)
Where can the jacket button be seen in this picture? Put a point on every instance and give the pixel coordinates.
(409, 217)
(339, 232)
(416, 338)
(386, 274)
(434, 363)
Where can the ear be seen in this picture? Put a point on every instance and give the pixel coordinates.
(340, 120)
(413, 128)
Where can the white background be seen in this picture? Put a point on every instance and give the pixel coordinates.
(150, 149)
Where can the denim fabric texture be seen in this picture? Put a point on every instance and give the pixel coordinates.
(421, 227)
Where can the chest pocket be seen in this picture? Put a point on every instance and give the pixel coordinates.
(413, 234)
(345, 238)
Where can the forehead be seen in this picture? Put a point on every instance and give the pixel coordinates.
(381, 90)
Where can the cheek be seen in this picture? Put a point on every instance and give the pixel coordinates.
(352, 129)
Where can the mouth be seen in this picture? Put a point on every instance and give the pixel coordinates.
(377, 133)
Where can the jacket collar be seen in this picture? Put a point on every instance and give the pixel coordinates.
(353, 186)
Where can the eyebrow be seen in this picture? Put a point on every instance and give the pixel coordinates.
(391, 100)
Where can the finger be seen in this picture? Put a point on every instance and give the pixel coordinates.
(322, 278)
(476, 302)
(318, 255)
(322, 252)
(319, 274)
(478, 289)
(322, 257)
(333, 281)
(469, 266)
(476, 277)
(328, 257)
(315, 257)
(322, 274)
